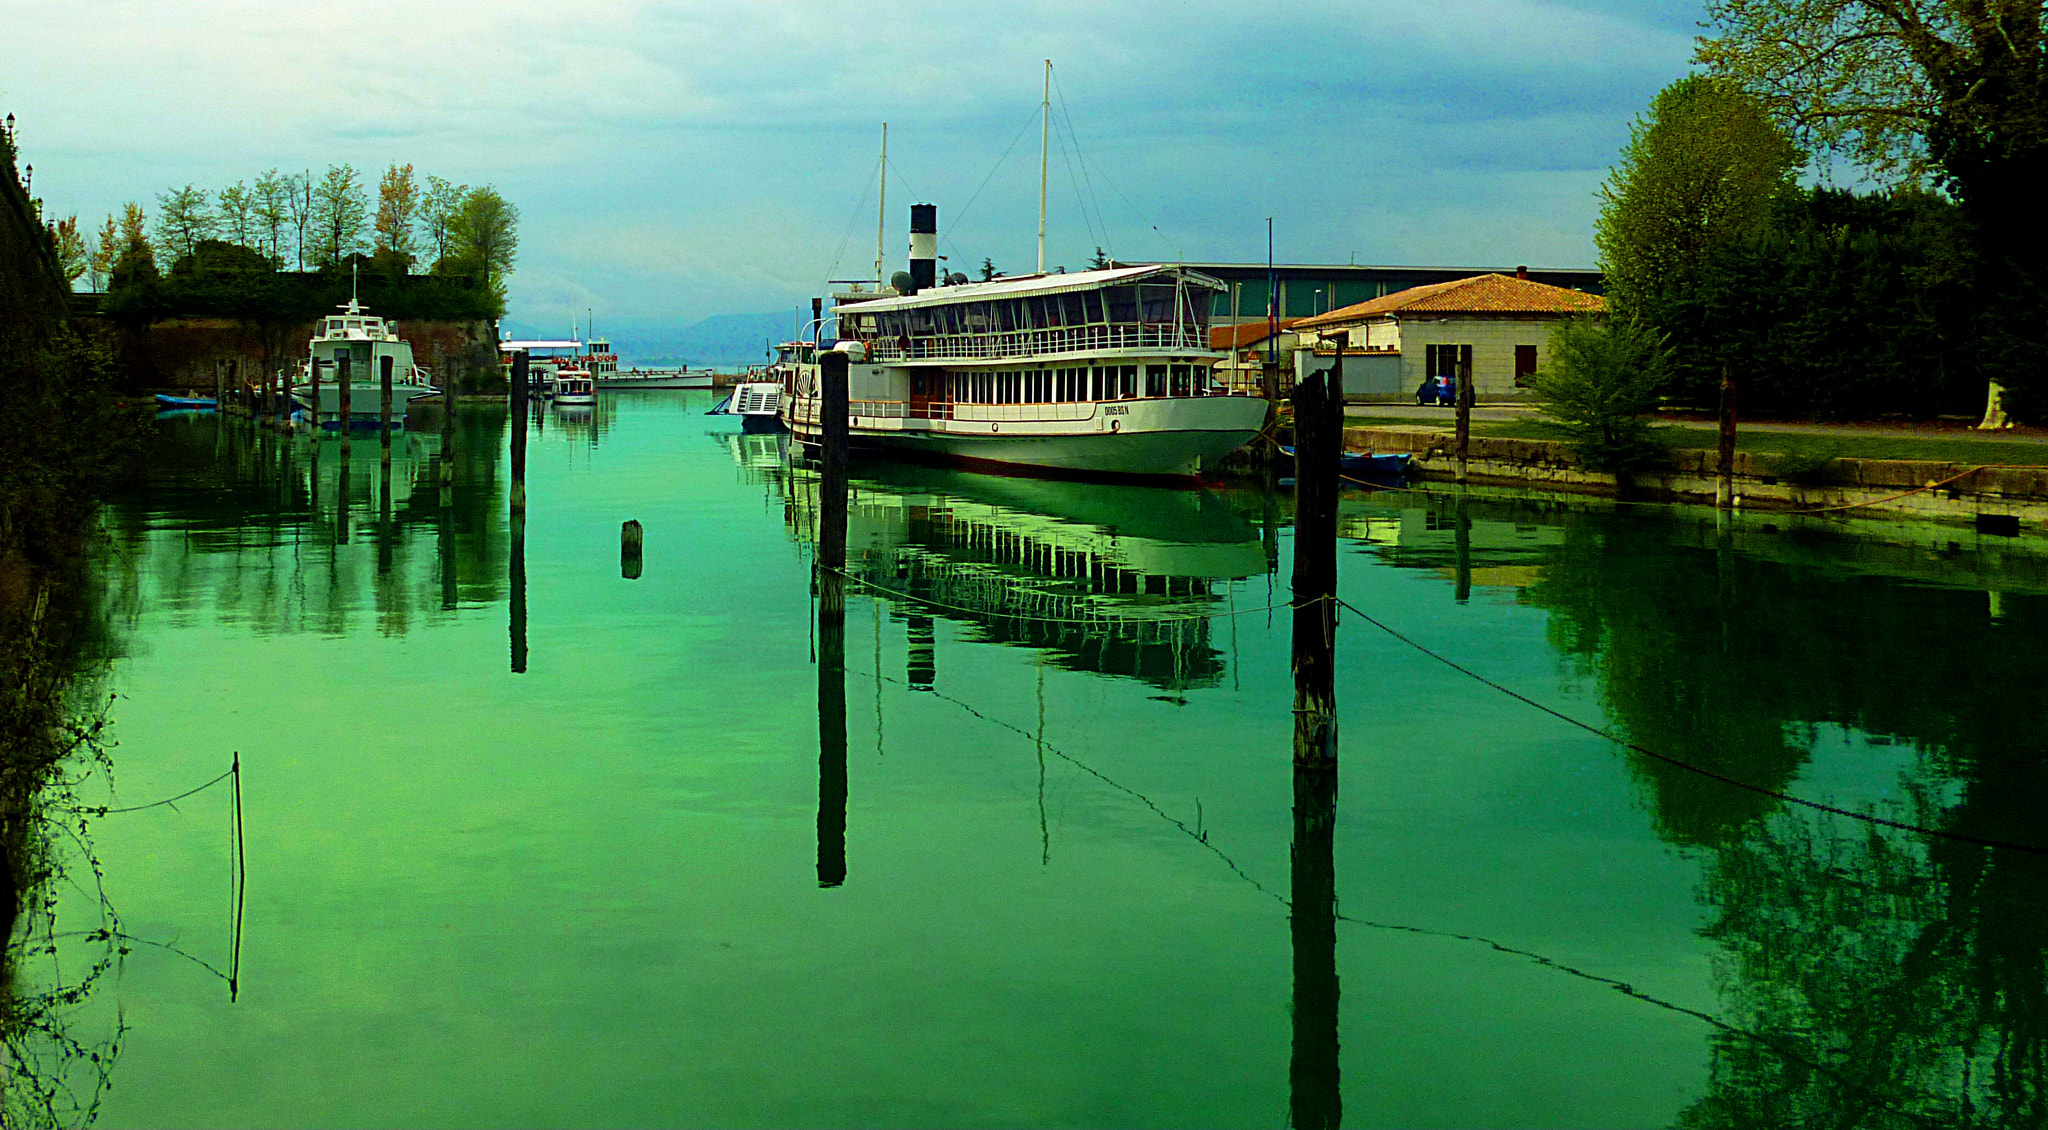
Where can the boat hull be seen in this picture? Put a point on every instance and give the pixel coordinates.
(365, 403)
(1162, 437)
(626, 382)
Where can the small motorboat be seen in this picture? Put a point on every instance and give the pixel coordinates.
(163, 401)
(1368, 466)
(574, 388)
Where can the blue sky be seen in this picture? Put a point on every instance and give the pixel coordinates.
(677, 161)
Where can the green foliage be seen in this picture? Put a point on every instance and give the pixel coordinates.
(1840, 306)
(1602, 379)
(338, 212)
(485, 235)
(283, 297)
(1700, 170)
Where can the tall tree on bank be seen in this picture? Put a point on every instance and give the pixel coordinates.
(299, 199)
(486, 237)
(105, 253)
(1701, 169)
(398, 198)
(272, 211)
(72, 255)
(338, 213)
(1957, 88)
(183, 220)
(237, 208)
(438, 209)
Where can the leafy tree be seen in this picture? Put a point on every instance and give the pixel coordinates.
(237, 208)
(215, 256)
(337, 215)
(398, 200)
(438, 208)
(988, 269)
(486, 236)
(299, 198)
(272, 210)
(1100, 262)
(72, 258)
(100, 266)
(1702, 168)
(183, 219)
(1602, 379)
(1956, 88)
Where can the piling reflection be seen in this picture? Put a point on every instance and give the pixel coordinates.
(1900, 977)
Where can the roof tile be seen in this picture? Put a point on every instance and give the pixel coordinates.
(1480, 294)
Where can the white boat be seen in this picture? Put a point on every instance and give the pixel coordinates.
(362, 350)
(603, 365)
(1097, 373)
(574, 388)
(758, 404)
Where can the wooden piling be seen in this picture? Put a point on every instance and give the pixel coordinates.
(384, 366)
(220, 388)
(313, 371)
(1724, 466)
(1318, 446)
(631, 538)
(1461, 544)
(831, 586)
(1464, 402)
(1315, 1099)
(521, 374)
(344, 380)
(284, 376)
(449, 395)
(517, 569)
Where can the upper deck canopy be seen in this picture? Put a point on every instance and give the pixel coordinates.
(1029, 286)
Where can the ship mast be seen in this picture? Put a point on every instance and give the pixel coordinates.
(1044, 131)
(882, 209)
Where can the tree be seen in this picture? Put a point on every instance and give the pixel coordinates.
(136, 263)
(237, 207)
(1100, 262)
(183, 219)
(486, 236)
(1904, 88)
(1602, 378)
(437, 215)
(107, 252)
(398, 199)
(272, 211)
(988, 269)
(1700, 169)
(72, 258)
(299, 199)
(337, 215)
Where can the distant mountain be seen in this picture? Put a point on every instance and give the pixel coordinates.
(724, 340)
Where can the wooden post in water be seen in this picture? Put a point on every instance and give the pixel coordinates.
(1315, 1099)
(344, 380)
(1318, 444)
(1724, 467)
(631, 539)
(521, 374)
(384, 366)
(1461, 544)
(220, 389)
(448, 397)
(518, 577)
(1464, 403)
(284, 376)
(313, 370)
(831, 583)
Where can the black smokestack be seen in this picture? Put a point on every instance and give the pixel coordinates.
(924, 245)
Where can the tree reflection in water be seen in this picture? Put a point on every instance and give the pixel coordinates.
(54, 645)
(1914, 971)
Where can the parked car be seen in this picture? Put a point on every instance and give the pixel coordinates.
(1438, 390)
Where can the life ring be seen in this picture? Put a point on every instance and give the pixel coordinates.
(994, 427)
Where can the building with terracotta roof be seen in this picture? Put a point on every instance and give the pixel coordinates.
(1492, 330)
(1248, 346)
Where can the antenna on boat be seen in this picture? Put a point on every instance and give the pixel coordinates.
(352, 269)
(1044, 133)
(882, 209)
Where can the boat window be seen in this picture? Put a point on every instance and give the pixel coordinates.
(1157, 302)
(1076, 308)
(1183, 380)
(1155, 380)
(1123, 303)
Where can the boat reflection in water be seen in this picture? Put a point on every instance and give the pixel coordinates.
(1115, 579)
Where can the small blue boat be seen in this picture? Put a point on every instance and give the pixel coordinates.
(163, 401)
(1368, 466)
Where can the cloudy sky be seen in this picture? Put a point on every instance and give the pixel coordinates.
(674, 161)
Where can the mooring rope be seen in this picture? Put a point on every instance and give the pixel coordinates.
(1865, 817)
(104, 811)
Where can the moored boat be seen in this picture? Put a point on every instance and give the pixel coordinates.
(574, 388)
(1095, 373)
(363, 351)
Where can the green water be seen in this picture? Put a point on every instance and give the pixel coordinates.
(605, 889)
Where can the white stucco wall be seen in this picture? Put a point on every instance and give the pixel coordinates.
(1493, 342)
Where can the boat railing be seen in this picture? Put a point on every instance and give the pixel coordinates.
(1031, 343)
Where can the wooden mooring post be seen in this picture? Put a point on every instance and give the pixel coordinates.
(450, 393)
(1464, 402)
(632, 540)
(384, 367)
(1724, 466)
(1315, 1097)
(831, 586)
(344, 377)
(521, 374)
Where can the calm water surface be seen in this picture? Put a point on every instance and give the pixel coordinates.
(528, 842)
